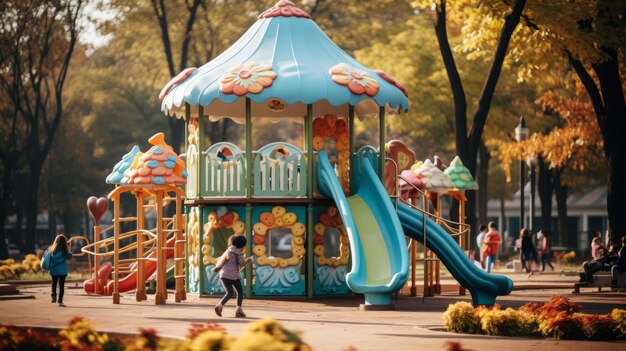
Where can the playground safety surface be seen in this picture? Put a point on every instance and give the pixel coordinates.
(333, 323)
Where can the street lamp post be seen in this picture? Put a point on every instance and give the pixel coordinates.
(521, 134)
(532, 161)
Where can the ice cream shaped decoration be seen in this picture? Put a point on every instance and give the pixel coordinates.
(160, 165)
(117, 174)
(460, 176)
(434, 179)
(416, 166)
(439, 163)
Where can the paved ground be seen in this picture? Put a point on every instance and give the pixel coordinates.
(326, 323)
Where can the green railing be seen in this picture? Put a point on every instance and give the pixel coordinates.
(224, 172)
(280, 170)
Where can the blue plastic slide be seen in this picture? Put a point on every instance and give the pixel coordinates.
(484, 287)
(380, 262)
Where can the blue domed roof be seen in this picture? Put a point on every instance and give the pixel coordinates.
(294, 59)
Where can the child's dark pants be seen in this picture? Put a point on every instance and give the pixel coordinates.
(230, 286)
(61, 280)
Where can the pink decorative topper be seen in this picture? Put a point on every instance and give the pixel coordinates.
(249, 77)
(284, 8)
(358, 81)
(176, 80)
(384, 75)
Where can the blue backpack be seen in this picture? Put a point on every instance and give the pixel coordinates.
(46, 261)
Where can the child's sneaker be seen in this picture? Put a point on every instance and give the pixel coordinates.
(218, 310)
(61, 304)
(239, 313)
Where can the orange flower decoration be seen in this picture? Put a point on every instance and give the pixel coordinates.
(249, 77)
(358, 81)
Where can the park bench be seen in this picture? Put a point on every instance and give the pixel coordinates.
(602, 280)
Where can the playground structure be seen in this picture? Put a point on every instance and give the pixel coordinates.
(321, 218)
(151, 179)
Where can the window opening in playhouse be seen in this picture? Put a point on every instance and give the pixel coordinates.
(267, 130)
(220, 240)
(366, 133)
(223, 130)
(332, 241)
(279, 243)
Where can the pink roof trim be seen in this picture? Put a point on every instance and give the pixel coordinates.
(284, 8)
(176, 80)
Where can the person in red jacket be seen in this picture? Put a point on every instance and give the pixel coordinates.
(491, 245)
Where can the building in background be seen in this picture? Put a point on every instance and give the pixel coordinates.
(586, 215)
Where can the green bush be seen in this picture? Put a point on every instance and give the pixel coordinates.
(462, 317)
(509, 322)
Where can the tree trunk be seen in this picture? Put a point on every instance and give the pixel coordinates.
(4, 205)
(615, 143)
(32, 205)
(545, 189)
(503, 226)
(467, 144)
(482, 177)
(19, 225)
(610, 109)
(561, 204)
(4, 252)
(177, 128)
(52, 224)
(616, 205)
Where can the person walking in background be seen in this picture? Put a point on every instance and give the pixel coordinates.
(228, 266)
(58, 253)
(491, 244)
(479, 243)
(620, 265)
(544, 250)
(528, 252)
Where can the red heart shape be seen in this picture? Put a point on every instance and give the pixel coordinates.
(97, 207)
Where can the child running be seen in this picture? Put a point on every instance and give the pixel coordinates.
(229, 265)
(59, 252)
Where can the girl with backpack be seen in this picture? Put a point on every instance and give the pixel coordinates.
(56, 255)
(228, 266)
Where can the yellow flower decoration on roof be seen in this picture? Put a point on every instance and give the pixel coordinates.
(358, 81)
(249, 77)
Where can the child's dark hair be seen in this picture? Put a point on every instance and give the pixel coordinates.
(239, 241)
(60, 243)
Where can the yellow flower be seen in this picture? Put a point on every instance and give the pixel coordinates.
(211, 340)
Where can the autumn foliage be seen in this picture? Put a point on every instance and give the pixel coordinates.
(576, 143)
